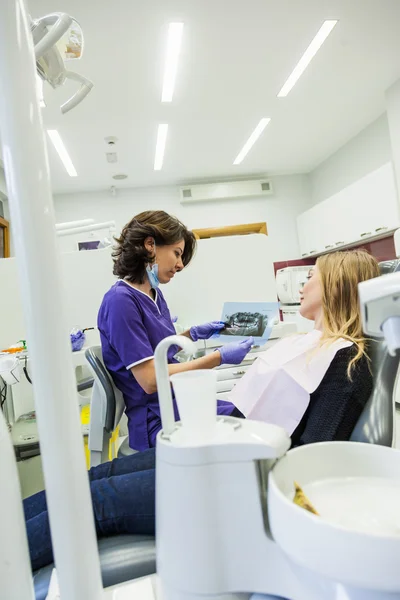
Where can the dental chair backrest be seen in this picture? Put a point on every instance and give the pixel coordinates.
(377, 422)
(106, 407)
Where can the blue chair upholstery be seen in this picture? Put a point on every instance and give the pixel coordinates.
(122, 558)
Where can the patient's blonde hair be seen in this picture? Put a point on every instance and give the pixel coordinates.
(340, 273)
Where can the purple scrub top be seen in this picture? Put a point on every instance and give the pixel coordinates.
(131, 325)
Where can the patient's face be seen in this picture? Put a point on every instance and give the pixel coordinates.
(311, 296)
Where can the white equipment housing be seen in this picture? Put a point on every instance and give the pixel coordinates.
(57, 38)
(227, 190)
(226, 523)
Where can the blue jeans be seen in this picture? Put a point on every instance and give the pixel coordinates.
(123, 497)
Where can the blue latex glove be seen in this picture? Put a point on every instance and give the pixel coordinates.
(233, 354)
(205, 331)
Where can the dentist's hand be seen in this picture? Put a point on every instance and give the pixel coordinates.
(205, 331)
(233, 354)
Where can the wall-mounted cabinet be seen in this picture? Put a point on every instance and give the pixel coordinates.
(369, 208)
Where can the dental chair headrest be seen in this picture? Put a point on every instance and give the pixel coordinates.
(389, 266)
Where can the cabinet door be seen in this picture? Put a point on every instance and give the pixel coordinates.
(373, 206)
(303, 233)
(310, 231)
(337, 231)
(381, 203)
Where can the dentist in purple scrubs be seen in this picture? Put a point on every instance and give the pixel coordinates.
(134, 317)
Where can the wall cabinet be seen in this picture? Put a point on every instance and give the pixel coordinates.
(368, 208)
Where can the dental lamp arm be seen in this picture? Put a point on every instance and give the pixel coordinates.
(80, 94)
(85, 228)
(60, 23)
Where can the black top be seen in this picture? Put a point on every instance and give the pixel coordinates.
(337, 403)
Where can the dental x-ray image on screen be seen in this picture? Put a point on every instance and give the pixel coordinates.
(245, 319)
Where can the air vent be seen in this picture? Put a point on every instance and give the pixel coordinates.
(226, 190)
(112, 157)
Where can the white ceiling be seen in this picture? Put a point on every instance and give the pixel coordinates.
(235, 57)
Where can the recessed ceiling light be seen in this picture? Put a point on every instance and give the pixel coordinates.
(62, 152)
(252, 140)
(160, 146)
(307, 57)
(120, 176)
(171, 60)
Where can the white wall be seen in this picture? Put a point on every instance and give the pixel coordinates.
(364, 153)
(3, 190)
(393, 113)
(291, 197)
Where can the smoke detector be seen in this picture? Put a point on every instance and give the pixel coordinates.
(111, 140)
(120, 176)
(111, 157)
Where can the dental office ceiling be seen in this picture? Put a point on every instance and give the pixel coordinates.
(235, 57)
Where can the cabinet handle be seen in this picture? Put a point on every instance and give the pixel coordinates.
(328, 246)
(239, 372)
(380, 229)
(339, 243)
(312, 251)
(365, 233)
(305, 254)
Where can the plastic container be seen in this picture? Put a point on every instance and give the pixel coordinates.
(10, 369)
(196, 396)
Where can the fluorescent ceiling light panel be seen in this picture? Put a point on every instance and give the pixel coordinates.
(307, 57)
(171, 61)
(252, 140)
(160, 146)
(62, 152)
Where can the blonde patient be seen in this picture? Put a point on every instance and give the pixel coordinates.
(316, 385)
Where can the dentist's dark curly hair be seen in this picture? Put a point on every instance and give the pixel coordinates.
(130, 255)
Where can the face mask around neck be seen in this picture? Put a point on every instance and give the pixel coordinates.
(152, 274)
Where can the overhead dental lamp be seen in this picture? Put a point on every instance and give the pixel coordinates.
(59, 38)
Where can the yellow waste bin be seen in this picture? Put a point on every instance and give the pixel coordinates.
(113, 447)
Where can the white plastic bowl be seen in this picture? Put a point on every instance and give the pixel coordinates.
(364, 560)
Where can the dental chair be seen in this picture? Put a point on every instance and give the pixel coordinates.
(106, 409)
(125, 556)
(377, 422)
